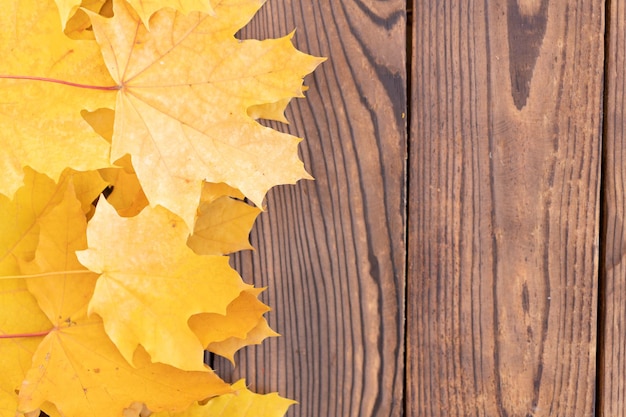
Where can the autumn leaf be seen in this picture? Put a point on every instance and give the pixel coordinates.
(87, 187)
(242, 315)
(19, 315)
(270, 111)
(227, 348)
(101, 120)
(185, 88)
(144, 8)
(45, 81)
(26, 222)
(108, 315)
(62, 231)
(68, 9)
(241, 403)
(76, 24)
(127, 195)
(223, 221)
(212, 191)
(20, 216)
(151, 283)
(222, 226)
(76, 367)
(19, 219)
(82, 373)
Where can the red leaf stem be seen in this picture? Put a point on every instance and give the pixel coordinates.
(21, 335)
(69, 83)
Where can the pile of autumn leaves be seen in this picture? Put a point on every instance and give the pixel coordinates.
(128, 146)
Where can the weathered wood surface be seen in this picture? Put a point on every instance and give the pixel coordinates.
(504, 294)
(332, 251)
(612, 347)
(504, 206)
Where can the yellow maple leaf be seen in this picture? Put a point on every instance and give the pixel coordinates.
(227, 348)
(68, 8)
(127, 196)
(144, 8)
(101, 120)
(270, 111)
(241, 403)
(212, 191)
(20, 216)
(19, 219)
(151, 283)
(19, 315)
(185, 88)
(76, 367)
(242, 315)
(87, 186)
(75, 22)
(222, 226)
(41, 75)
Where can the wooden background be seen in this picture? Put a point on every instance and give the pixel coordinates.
(460, 252)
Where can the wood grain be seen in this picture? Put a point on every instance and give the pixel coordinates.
(332, 251)
(503, 209)
(612, 364)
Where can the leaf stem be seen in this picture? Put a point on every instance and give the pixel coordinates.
(69, 83)
(22, 335)
(47, 274)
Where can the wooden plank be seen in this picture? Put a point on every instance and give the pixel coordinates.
(332, 252)
(612, 363)
(503, 209)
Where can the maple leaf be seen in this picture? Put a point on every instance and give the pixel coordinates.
(241, 403)
(20, 216)
(40, 75)
(185, 88)
(68, 8)
(223, 223)
(101, 120)
(227, 348)
(144, 8)
(127, 196)
(19, 315)
(76, 367)
(212, 191)
(19, 219)
(151, 283)
(270, 111)
(242, 315)
(243, 325)
(77, 25)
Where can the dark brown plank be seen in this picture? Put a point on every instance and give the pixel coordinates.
(503, 209)
(612, 364)
(331, 252)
